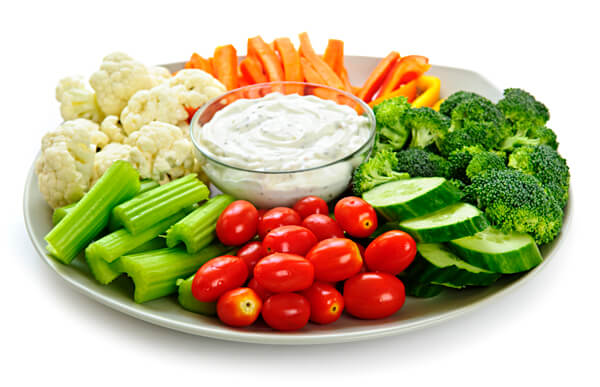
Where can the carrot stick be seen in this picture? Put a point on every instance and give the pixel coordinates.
(211, 67)
(377, 76)
(408, 90)
(334, 55)
(267, 57)
(197, 62)
(242, 79)
(252, 70)
(312, 76)
(292, 68)
(346, 80)
(407, 69)
(225, 61)
(326, 73)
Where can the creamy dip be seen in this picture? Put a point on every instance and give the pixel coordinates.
(283, 133)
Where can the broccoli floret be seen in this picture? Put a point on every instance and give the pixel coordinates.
(420, 163)
(391, 131)
(425, 125)
(518, 106)
(379, 169)
(476, 110)
(469, 161)
(515, 201)
(528, 134)
(456, 99)
(482, 162)
(547, 166)
(462, 187)
(459, 161)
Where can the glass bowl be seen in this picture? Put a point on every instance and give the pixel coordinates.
(267, 189)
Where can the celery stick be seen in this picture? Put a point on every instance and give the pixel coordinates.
(154, 244)
(155, 273)
(118, 184)
(197, 230)
(159, 203)
(61, 212)
(189, 302)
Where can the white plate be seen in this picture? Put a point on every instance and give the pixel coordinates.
(416, 313)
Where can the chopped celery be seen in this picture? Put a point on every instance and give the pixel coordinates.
(159, 203)
(154, 244)
(155, 273)
(147, 185)
(189, 302)
(118, 184)
(197, 230)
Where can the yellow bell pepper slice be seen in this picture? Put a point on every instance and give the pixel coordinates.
(430, 87)
(437, 105)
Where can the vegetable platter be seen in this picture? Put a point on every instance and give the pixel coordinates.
(427, 209)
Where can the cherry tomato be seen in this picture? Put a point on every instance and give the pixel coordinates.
(262, 292)
(239, 307)
(261, 212)
(309, 205)
(282, 272)
(238, 223)
(326, 303)
(361, 249)
(286, 311)
(289, 239)
(277, 217)
(323, 226)
(355, 216)
(335, 259)
(391, 252)
(217, 276)
(251, 253)
(373, 295)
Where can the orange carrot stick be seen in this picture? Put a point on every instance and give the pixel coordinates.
(292, 68)
(408, 90)
(407, 69)
(225, 61)
(346, 80)
(197, 62)
(377, 76)
(325, 72)
(334, 55)
(312, 76)
(211, 67)
(267, 57)
(252, 70)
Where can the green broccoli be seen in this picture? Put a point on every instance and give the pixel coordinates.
(464, 165)
(482, 162)
(379, 169)
(391, 131)
(518, 106)
(547, 166)
(528, 134)
(456, 99)
(421, 163)
(515, 201)
(425, 125)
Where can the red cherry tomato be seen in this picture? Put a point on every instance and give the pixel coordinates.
(239, 307)
(217, 276)
(289, 239)
(361, 249)
(262, 292)
(261, 212)
(355, 216)
(282, 272)
(326, 303)
(323, 226)
(286, 311)
(335, 259)
(251, 253)
(391, 252)
(373, 295)
(311, 205)
(238, 223)
(277, 217)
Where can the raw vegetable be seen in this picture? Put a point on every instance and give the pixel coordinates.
(239, 307)
(335, 259)
(197, 230)
(323, 226)
(377, 77)
(157, 204)
(425, 125)
(90, 216)
(286, 311)
(289, 239)
(373, 295)
(267, 57)
(498, 252)
(237, 223)
(252, 70)
(188, 302)
(355, 216)
(198, 62)
(325, 72)
(391, 133)
(217, 276)
(283, 272)
(408, 90)
(225, 62)
(405, 70)
(292, 69)
(420, 290)
(381, 168)
(326, 303)
(277, 217)
(391, 252)
(251, 253)
(310, 205)
(430, 91)
(419, 162)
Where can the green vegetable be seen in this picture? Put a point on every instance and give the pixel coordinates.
(380, 168)
(482, 162)
(155, 273)
(189, 302)
(456, 99)
(405, 199)
(159, 203)
(497, 251)
(426, 126)
(460, 162)
(118, 184)
(525, 134)
(421, 163)
(391, 132)
(455, 221)
(414, 288)
(197, 230)
(518, 106)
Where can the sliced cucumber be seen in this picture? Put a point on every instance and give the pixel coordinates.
(497, 251)
(452, 222)
(437, 265)
(404, 199)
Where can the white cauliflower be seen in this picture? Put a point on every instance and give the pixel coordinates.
(98, 139)
(120, 77)
(113, 129)
(66, 165)
(196, 87)
(115, 151)
(77, 100)
(159, 74)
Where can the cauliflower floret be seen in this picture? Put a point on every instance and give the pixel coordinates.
(113, 129)
(98, 139)
(159, 74)
(161, 103)
(196, 86)
(120, 77)
(115, 151)
(66, 164)
(172, 154)
(77, 100)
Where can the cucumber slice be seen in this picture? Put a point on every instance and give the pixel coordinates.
(405, 199)
(436, 264)
(452, 222)
(497, 251)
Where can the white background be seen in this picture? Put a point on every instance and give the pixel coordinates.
(544, 332)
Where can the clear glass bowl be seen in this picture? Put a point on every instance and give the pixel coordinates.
(267, 189)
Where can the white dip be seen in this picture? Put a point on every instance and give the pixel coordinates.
(283, 133)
